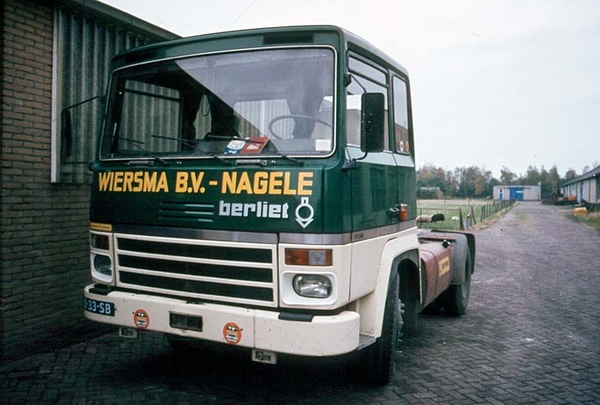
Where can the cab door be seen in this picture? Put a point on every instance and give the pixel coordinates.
(374, 183)
(374, 187)
(403, 140)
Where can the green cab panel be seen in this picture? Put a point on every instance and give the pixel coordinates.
(241, 199)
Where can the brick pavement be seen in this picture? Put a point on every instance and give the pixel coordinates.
(530, 336)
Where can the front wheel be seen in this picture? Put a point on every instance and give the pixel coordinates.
(379, 358)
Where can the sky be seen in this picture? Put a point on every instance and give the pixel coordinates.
(496, 83)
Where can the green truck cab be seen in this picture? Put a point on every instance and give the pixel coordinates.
(257, 188)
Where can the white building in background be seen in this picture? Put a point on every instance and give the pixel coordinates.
(518, 193)
(584, 188)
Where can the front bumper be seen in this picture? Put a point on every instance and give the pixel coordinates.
(253, 328)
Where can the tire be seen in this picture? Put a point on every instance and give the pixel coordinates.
(378, 359)
(456, 298)
(410, 318)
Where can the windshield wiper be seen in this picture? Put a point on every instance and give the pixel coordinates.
(137, 144)
(186, 142)
(291, 159)
(194, 145)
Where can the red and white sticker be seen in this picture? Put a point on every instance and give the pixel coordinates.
(141, 319)
(232, 333)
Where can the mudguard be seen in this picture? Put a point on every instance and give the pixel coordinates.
(372, 306)
(462, 244)
(459, 259)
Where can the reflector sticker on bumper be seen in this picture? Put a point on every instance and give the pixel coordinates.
(232, 333)
(141, 320)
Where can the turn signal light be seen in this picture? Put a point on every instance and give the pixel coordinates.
(403, 212)
(309, 257)
(99, 241)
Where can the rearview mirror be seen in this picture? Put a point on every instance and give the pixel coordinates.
(66, 134)
(372, 122)
(82, 114)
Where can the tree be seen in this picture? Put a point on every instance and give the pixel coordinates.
(570, 174)
(506, 176)
(429, 176)
(476, 182)
(472, 181)
(550, 182)
(532, 177)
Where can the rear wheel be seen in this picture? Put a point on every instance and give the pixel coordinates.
(456, 298)
(379, 358)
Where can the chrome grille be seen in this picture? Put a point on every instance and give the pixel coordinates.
(235, 272)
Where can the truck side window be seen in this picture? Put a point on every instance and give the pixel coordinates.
(401, 140)
(365, 79)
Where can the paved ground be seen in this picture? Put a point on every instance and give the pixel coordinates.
(531, 335)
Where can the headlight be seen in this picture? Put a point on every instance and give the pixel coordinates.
(102, 268)
(103, 265)
(312, 285)
(101, 257)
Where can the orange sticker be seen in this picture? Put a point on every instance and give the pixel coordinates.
(141, 319)
(232, 333)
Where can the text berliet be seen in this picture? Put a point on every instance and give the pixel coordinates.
(261, 209)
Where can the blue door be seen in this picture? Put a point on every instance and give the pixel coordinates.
(516, 193)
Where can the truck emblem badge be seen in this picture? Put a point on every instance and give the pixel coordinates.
(304, 221)
(141, 320)
(232, 333)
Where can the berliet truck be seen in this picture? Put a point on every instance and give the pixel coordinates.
(257, 189)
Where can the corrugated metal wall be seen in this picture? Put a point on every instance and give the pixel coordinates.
(150, 112)
(83, 48)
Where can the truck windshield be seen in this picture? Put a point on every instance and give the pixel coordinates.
(277, 101)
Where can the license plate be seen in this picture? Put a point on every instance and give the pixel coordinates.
(99, 307)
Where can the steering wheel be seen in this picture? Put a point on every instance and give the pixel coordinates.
(294, 116)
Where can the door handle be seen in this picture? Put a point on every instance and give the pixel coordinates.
(394, 213)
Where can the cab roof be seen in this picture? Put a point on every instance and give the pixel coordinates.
(256, 38)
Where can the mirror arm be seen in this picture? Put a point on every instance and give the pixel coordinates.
(81, 103)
